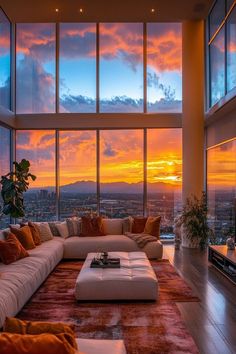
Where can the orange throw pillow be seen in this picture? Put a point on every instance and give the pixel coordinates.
(138, 225)
(11, 250)
(152, 226)
(24, 235)
(91, 226)
(35, 233)
(11, 343)
(14, 325)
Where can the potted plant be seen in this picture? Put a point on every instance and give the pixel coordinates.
(193, 221)
(14, 184)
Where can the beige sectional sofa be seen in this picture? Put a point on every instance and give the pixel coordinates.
(19, 280)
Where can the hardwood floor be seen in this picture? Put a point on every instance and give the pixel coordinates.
(212, 321)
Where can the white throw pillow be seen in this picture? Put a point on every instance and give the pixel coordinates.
(63, 229)
(45, 231)
(112, 226)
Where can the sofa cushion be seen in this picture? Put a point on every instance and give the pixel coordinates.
(19, 280)
(11, 250)
(91, 226)
(79, 247)
(12, 343)
(53, 228)
(24, 235)
(152, 226)
(138, 225)
(112, 226)
(127, 224)
(63, 229)
(35, 233)
(14, 325)
(45, 231)
(74, 226)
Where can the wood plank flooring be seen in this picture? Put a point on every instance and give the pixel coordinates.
(211, 322)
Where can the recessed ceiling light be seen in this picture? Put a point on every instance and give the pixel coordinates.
(81, 10)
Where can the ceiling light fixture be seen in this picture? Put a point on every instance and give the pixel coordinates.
(57, 10)
(152, 10)
(81, 10)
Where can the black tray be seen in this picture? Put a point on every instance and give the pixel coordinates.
(110, 263)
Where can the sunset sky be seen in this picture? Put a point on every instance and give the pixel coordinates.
(121, 67)
(121, 155)
(221, 166)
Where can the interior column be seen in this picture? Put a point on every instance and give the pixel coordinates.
(193, 110)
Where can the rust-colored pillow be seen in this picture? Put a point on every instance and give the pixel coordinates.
(14, 325)
(24, 235)
(91, 226)
(138, 225)
(35, 233)
(11, 250)
(11, 343)
(152, 226)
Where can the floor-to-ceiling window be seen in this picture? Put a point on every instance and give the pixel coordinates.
(98, 68)
(121, 172)
(222, 50)
(221, 189)
(35, 67)
(77, 172)
(164, 67)
(5, 61)
(164, 175)
(121, 67)
(77, 67)
(115, 172)
(38, 146)
(5, 154)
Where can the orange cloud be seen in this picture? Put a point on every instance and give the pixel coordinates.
(121, 156)
(164, 156)
(77, 156)
(38, 146)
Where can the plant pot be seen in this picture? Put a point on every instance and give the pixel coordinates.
(187, 242)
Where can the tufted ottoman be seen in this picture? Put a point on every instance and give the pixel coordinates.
(134, 280)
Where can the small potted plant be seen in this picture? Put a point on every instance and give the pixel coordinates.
(193, 221)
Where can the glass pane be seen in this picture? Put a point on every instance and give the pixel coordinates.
(78, 190)
(164, 67)
(38, 146)
(217, 65)
(121, 67)
(221, 190)
(121, 173)
(5, 140)
(5, 61)
(216, 16)
(231, 51)
(78, 67)
(35, 68)
(164, 176)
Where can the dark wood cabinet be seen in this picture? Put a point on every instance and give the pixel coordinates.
(224, 260)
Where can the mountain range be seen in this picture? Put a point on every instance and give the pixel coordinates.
(84, 187)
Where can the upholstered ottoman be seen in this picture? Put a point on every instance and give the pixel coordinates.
(134, 280)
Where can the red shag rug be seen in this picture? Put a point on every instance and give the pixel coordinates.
(146, 327)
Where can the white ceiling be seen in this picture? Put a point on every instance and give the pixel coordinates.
(105, 10)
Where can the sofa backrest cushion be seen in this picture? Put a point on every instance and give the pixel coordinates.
(36, 344)
(11, 250)
(113, 226)
(24, 235)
